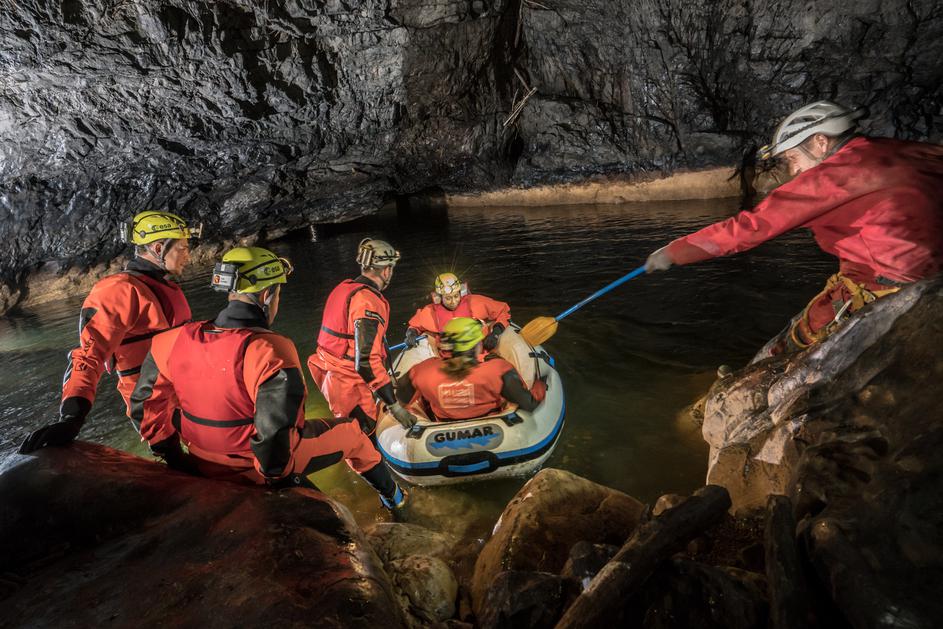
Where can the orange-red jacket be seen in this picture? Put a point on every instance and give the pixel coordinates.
(118, 320)
(876, 204)
(479, 393)
(227, 386)
(352, 335)
(431, 319)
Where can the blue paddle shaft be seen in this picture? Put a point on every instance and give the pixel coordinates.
(602, 291)
(400, 346)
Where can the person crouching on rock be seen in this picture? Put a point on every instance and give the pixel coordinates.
(450, 299)
(349, 364)
(460, 385)
(874, 203)
(232, 390)
(120, 316)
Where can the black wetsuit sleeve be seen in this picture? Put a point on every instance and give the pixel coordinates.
(405, 389)
(277, 404)
(513, 390)
(365, 333)
(142, 391)
(386, 394)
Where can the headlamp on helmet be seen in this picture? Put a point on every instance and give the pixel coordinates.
(448, 284)
(225, 277)
(249, 270)
(376, 253)
(150, 226)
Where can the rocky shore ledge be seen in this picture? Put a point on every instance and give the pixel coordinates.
(823, 509)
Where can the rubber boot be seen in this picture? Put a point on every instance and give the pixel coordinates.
(397, 501)
(391, 495)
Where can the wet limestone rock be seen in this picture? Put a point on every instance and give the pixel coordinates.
(552, 512)
(397, 540)
(415, 559)
(757, 420)
(267, 116)
(428, 585)
(95, 537)
(851, 430)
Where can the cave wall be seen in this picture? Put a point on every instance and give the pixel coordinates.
(273, 114)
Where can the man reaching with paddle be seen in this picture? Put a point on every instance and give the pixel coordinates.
(874, 203)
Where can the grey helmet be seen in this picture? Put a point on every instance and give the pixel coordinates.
(823, 117)
(372, 253)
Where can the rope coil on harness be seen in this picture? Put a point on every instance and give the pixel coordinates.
(802, 333)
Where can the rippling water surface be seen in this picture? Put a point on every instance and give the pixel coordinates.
(630, 362)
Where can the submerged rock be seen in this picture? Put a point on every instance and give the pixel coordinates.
(414, 557)
(852, 430)
(397, 540)
(428, 585)
(552, 512)
(96, 537)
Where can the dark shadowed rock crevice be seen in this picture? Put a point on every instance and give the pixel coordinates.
(252, 116)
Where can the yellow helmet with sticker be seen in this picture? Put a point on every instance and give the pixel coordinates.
(250, 270)
(151, 226)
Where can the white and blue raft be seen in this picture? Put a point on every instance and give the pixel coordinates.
(508, 443)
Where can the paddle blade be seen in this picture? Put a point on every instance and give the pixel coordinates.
(539, 330)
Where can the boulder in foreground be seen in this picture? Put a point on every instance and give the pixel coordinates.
(93, 536)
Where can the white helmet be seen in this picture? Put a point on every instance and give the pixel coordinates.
(376, 253)
(823, 117)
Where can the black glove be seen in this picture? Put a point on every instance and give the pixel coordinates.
(491, 341)
(406, 419)
(72, 415)
(170, 451)
(412, 337)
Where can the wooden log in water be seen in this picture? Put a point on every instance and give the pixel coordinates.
(789, 603)
(651, 543)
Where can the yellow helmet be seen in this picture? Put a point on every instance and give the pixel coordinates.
(376, 253)
(462, 334)
(250, 270)
(448, 283)
(150, 226)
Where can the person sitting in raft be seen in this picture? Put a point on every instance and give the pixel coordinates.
(459, 385)
(875, 203)
(120, 316)
(450, 299)
(233, 391)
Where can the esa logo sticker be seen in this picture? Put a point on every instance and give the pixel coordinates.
(464, 440)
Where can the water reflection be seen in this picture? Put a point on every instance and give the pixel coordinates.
(630, 361)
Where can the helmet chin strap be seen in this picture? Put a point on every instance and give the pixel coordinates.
(161, 257)
(264, 305)
(810, 155)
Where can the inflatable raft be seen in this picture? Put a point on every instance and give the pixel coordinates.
(508, 443)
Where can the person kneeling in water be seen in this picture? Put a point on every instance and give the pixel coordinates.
(461, 386)
(232, 390)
